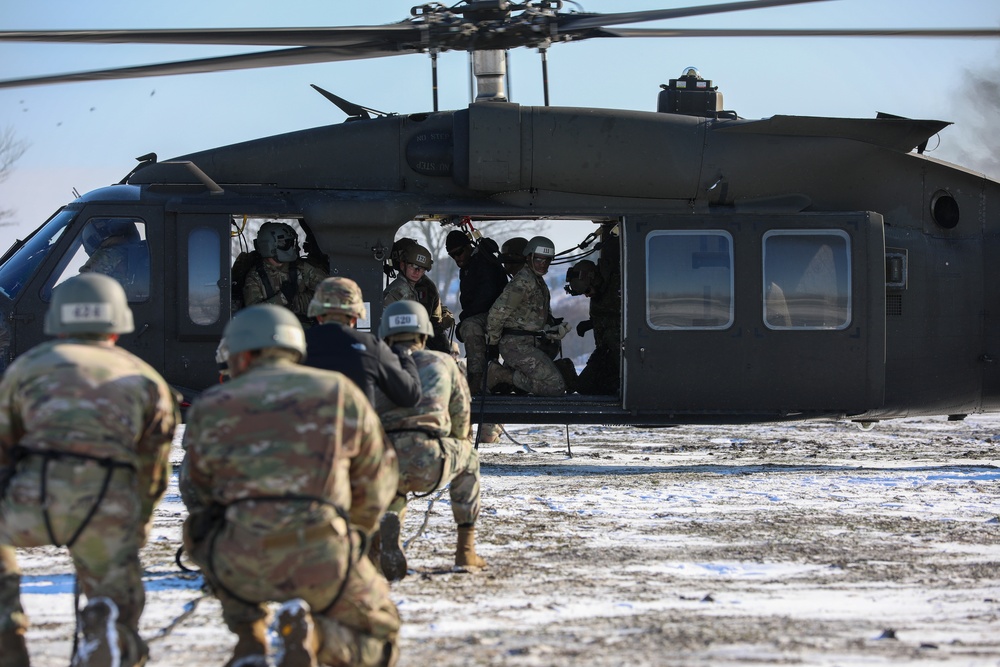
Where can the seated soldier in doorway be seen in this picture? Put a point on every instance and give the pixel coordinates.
(413, 261)
(281, 277)
(517, 324)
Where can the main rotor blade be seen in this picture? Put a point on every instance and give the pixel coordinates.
(396, 32)
(571, 22)
(792, 32)
(301, 56)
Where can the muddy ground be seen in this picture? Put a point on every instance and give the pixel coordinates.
(801, 543)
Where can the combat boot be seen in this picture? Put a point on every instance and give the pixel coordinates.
(297, 636)
(251, 645)
(497, 374)
(465, 552)
(13, 650)
(392, 558)
(476, 383)
(99, 646)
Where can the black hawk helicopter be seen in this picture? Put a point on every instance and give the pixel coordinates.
(775, 269)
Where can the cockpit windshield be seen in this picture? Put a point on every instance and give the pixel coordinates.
(17, 271)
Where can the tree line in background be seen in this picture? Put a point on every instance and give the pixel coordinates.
(11, 150)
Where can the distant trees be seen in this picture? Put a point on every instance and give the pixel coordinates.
(11, 150)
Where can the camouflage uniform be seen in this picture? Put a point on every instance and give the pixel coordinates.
(523, 309)
(327, 451)
(424, 292)
(309, 276)
(78, 414)
(111, 259)
(432, 438)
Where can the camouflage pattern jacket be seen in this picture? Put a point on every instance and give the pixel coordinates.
(93, 399)
(523, 305)
(445, 404)
(283, 429)
(309, 276)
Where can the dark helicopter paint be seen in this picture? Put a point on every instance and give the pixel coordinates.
(773, 269)
(921, 342)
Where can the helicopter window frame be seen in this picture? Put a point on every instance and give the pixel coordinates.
(787, 309)
(663, 272)
(136, 283)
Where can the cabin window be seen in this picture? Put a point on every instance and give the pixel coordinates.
(113, 246)
(689, 279)
(204, 276)
(807, 279)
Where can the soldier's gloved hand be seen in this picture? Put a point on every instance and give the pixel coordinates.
(447, 319)
(288, 291)
(584, 326)
(493, 352)
(557, 331)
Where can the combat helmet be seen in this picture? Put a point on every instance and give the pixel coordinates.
(337, 295)
(417, 255)
(540, 245)
(277, 240)
(262, 326)
(404, 317)
(90, 303)
(99, 230)
(581, 277)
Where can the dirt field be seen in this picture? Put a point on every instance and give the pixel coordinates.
(813, 544)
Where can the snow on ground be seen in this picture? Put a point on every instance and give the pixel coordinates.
(797, 543)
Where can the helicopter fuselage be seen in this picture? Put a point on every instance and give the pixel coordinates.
(776, 269)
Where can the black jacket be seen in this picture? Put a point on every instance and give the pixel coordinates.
(365, 359)
(480, 282)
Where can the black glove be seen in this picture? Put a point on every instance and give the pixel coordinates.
(288, 291)
(584, 326)
(493, 352)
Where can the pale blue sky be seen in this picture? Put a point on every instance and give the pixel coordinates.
(86, 135)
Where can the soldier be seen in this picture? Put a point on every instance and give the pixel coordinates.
(337, 346)
(431, 439)
(85, 433)
(601, 374)
(481, 279)
(286, 474)
(512, 255)
(280, 276)
(519, 321)
(414, 261)
(116, 250)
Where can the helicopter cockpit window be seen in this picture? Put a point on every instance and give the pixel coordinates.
(115, 247)
(807, 279)
(204, 269)
(16, 272)
(689, 280)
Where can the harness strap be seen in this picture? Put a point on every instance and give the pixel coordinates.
(522, 332)
(292, 497)
(109, 466)
(268, 289)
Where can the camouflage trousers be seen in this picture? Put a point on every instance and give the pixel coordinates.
(473, 331)
(247, 566)
(105, 554)
(427, 463)
(534, 371)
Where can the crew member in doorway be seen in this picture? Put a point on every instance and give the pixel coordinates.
(413, 261)
(281, 277)
(519, 321)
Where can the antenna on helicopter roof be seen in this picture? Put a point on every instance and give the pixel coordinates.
(353, 111)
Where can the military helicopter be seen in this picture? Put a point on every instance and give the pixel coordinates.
(776, 269)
